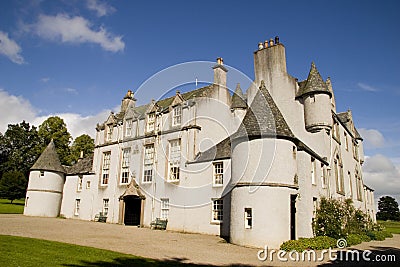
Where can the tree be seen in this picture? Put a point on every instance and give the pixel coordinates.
(13, 185)
(82, 143)
(388, 209)
(56, 129)
(19, 148)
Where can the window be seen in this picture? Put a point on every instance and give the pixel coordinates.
(218, 173)
(41, 173)
(80, 183)
(359, 186)
(313, 170)
(336, 134)
(106, 168)
(355, 150)
(346, 141)
(323, 176)
(148, 163)
(248, 218)
(164, 208)
(312, 98)
(128, 128)
(294, 151)
(87, 184)
(350, 185)
(26, 201)
(217, 210)
(125, 165)
(339, 175)
(315, 206)
(176, 116)
(151, 121)
(105, 206)
(174, 159)
(109, 132)
(77, 206)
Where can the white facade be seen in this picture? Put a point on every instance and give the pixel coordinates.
(251, 170)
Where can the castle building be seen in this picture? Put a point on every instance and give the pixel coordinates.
(250, 167)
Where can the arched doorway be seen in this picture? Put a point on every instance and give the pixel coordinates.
(133, 208)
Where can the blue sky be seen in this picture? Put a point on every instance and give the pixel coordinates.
(77, 58)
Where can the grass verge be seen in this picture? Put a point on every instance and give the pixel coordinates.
(391, 226)
(17, 207)
(23, 251)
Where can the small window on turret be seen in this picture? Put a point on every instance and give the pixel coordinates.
(41, 173)
(312, 98)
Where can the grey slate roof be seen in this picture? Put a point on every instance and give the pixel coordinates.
(345, 118)
(313, 84)
(220, 151)
(263, 118)
(83, 166)
(49, 160)
(238, 100)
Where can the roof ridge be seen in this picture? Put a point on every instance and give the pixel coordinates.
(313, 84)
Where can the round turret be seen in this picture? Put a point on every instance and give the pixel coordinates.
(46, 184)
(316, 98)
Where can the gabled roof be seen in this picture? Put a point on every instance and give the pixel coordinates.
(263, 118)
(313, 84)
(49, 160)
(346, 119)
(238, 100)
(83, 166)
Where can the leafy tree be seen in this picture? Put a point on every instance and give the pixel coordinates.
(13, 185)
(56, 129)
(19, 148)
(82, 143)
(388, 209)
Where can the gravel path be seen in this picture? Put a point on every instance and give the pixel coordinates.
(163, 245)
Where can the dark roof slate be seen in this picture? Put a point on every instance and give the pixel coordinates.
(263, 118)
(83, 166)
(220, 151)
(238, 100)
(49, 160)
(313, 84)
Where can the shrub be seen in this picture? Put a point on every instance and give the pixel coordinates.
(377, 235)
(317, 243)
(353, 239)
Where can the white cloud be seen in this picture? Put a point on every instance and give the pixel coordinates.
(372, 138)
(45, 79)
(383, 175)
(10, 48)
(367, 87)
(76, 30)
(15, 109)
(71, 91)
(101, 8)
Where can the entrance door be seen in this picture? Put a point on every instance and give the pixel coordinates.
(293, 217)
(133, 206)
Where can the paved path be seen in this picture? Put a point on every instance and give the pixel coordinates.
(163, 245)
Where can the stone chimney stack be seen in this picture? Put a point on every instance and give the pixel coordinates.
(220, 73)
(269, 61)
(128, 101)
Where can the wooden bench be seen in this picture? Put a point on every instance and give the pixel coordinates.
(100, 217)
(159, 223)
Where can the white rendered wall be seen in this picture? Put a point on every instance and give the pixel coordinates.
(44, 194)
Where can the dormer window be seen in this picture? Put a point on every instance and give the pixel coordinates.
(128, 128)
(109, 133)
(177, 115)
(151, 121)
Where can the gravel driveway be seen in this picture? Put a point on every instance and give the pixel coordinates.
(195, 248)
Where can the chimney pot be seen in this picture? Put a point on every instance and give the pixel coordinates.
(260, 46)
(266, 44)
(276, 39)
(220, 61)
(271, 42)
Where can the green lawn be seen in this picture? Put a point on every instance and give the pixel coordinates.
(391, 226)
(22, 251)
(17, 207)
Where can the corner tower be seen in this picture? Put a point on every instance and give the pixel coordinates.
(316, 98)
(45, 186)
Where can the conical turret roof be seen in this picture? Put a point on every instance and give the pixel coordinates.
(238, 98)
(49, 160)
(313, 84)
(263, 119)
